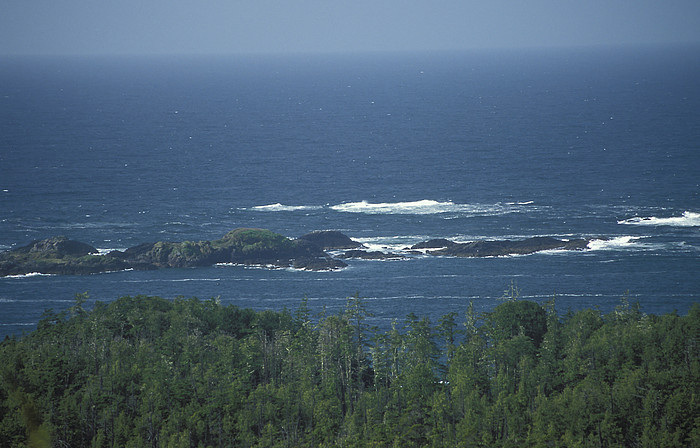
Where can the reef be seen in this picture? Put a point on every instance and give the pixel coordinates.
(249, 247)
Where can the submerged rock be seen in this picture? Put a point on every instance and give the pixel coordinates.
(318, 264)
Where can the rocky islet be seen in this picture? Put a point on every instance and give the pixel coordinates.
(250, 247)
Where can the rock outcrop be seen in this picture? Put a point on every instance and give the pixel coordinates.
(257, 247)
(330, 240)
(57, 255)
(241, 246)
(500, 248)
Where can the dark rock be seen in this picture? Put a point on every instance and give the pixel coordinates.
(507, 247)
(438, 243)
(165, 254)
(318, 264)
(257, 247)
(330, 240)
(59, 246)
(408, 251)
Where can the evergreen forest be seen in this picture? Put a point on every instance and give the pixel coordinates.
(150, 372)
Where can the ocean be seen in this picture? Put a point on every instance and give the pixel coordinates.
(390, 149)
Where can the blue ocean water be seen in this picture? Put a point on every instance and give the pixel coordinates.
(391, 149)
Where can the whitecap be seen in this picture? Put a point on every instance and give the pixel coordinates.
(422, 207)
(196, 280)
(521, 203)
(277, 207)
(688, 219)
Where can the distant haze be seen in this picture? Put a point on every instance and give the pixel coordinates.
(302, 26)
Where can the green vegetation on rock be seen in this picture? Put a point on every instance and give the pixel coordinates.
(252, 241)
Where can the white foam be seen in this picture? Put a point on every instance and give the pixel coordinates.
(521, 203)
(617, 243)
(395, 243)
(105, 251)
(251, 266)
(422, 207)
(197, 280)
(688, 219)
(277, 207)
(28, 275)
(416, 207)
(112, 272)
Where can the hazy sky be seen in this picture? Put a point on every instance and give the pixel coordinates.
(253, 26)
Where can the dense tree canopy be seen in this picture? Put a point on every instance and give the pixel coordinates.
(145, 371)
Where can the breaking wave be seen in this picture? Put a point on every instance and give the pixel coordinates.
(28, 275)
(105, 250)
(688, 219)
(277, 207)
(422, 207)
(617, 243)
(394, 243)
